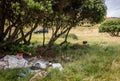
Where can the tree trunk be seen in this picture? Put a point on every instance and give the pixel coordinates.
(30, 36)
(28, 33)
(65, 41)
(43, 37)
(2, 20)
(54, 37)
(117, 34)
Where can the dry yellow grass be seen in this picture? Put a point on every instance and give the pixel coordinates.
(90, 34)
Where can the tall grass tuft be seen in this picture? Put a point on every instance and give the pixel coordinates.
(71, 35)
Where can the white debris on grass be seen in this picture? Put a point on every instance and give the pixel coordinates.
(57, 66)
(41, 64)
(11, 61)
(3, 64)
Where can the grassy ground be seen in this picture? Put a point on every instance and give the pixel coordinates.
(100, 61)
(94, 63)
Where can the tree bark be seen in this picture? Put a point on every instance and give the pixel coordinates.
(53, 39)
(43, 37)
(28, 33)
(2, 20)
(65, 41)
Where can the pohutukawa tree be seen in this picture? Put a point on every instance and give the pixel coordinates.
(68, 13)
(59, 15)
(16, 16)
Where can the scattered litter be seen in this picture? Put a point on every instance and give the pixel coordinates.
(2, 64)
(20, 54)
(33, 65)
(41, 64)
(21, 74)
(35, 71)
(85, 42)
(32, 60)
(11, 61)
(57, 66)
(38, 75)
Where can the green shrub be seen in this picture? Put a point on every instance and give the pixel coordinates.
(18, 49)
(66, 46)
(110, 26)
(71, 35)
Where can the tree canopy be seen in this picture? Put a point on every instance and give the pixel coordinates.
(59, 15)
(111, 26)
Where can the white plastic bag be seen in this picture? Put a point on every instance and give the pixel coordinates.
(2, 64)
(57, 66)
(15, 61)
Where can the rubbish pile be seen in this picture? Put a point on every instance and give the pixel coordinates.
(10, 61)
(33, 65)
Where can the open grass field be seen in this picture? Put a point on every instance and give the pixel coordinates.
(90, 34)
(100, 61)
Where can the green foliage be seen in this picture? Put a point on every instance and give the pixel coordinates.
(18, 15)
(70, 47)
(12, 75)
(110, 26)
(66, 46)
(68, 13)
(19, 49)
(60, 16)
(45, 6)
(96, 10)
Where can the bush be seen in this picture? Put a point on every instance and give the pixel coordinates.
(66, 46)
(18, 49)
(72, 36)
(110, 26)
